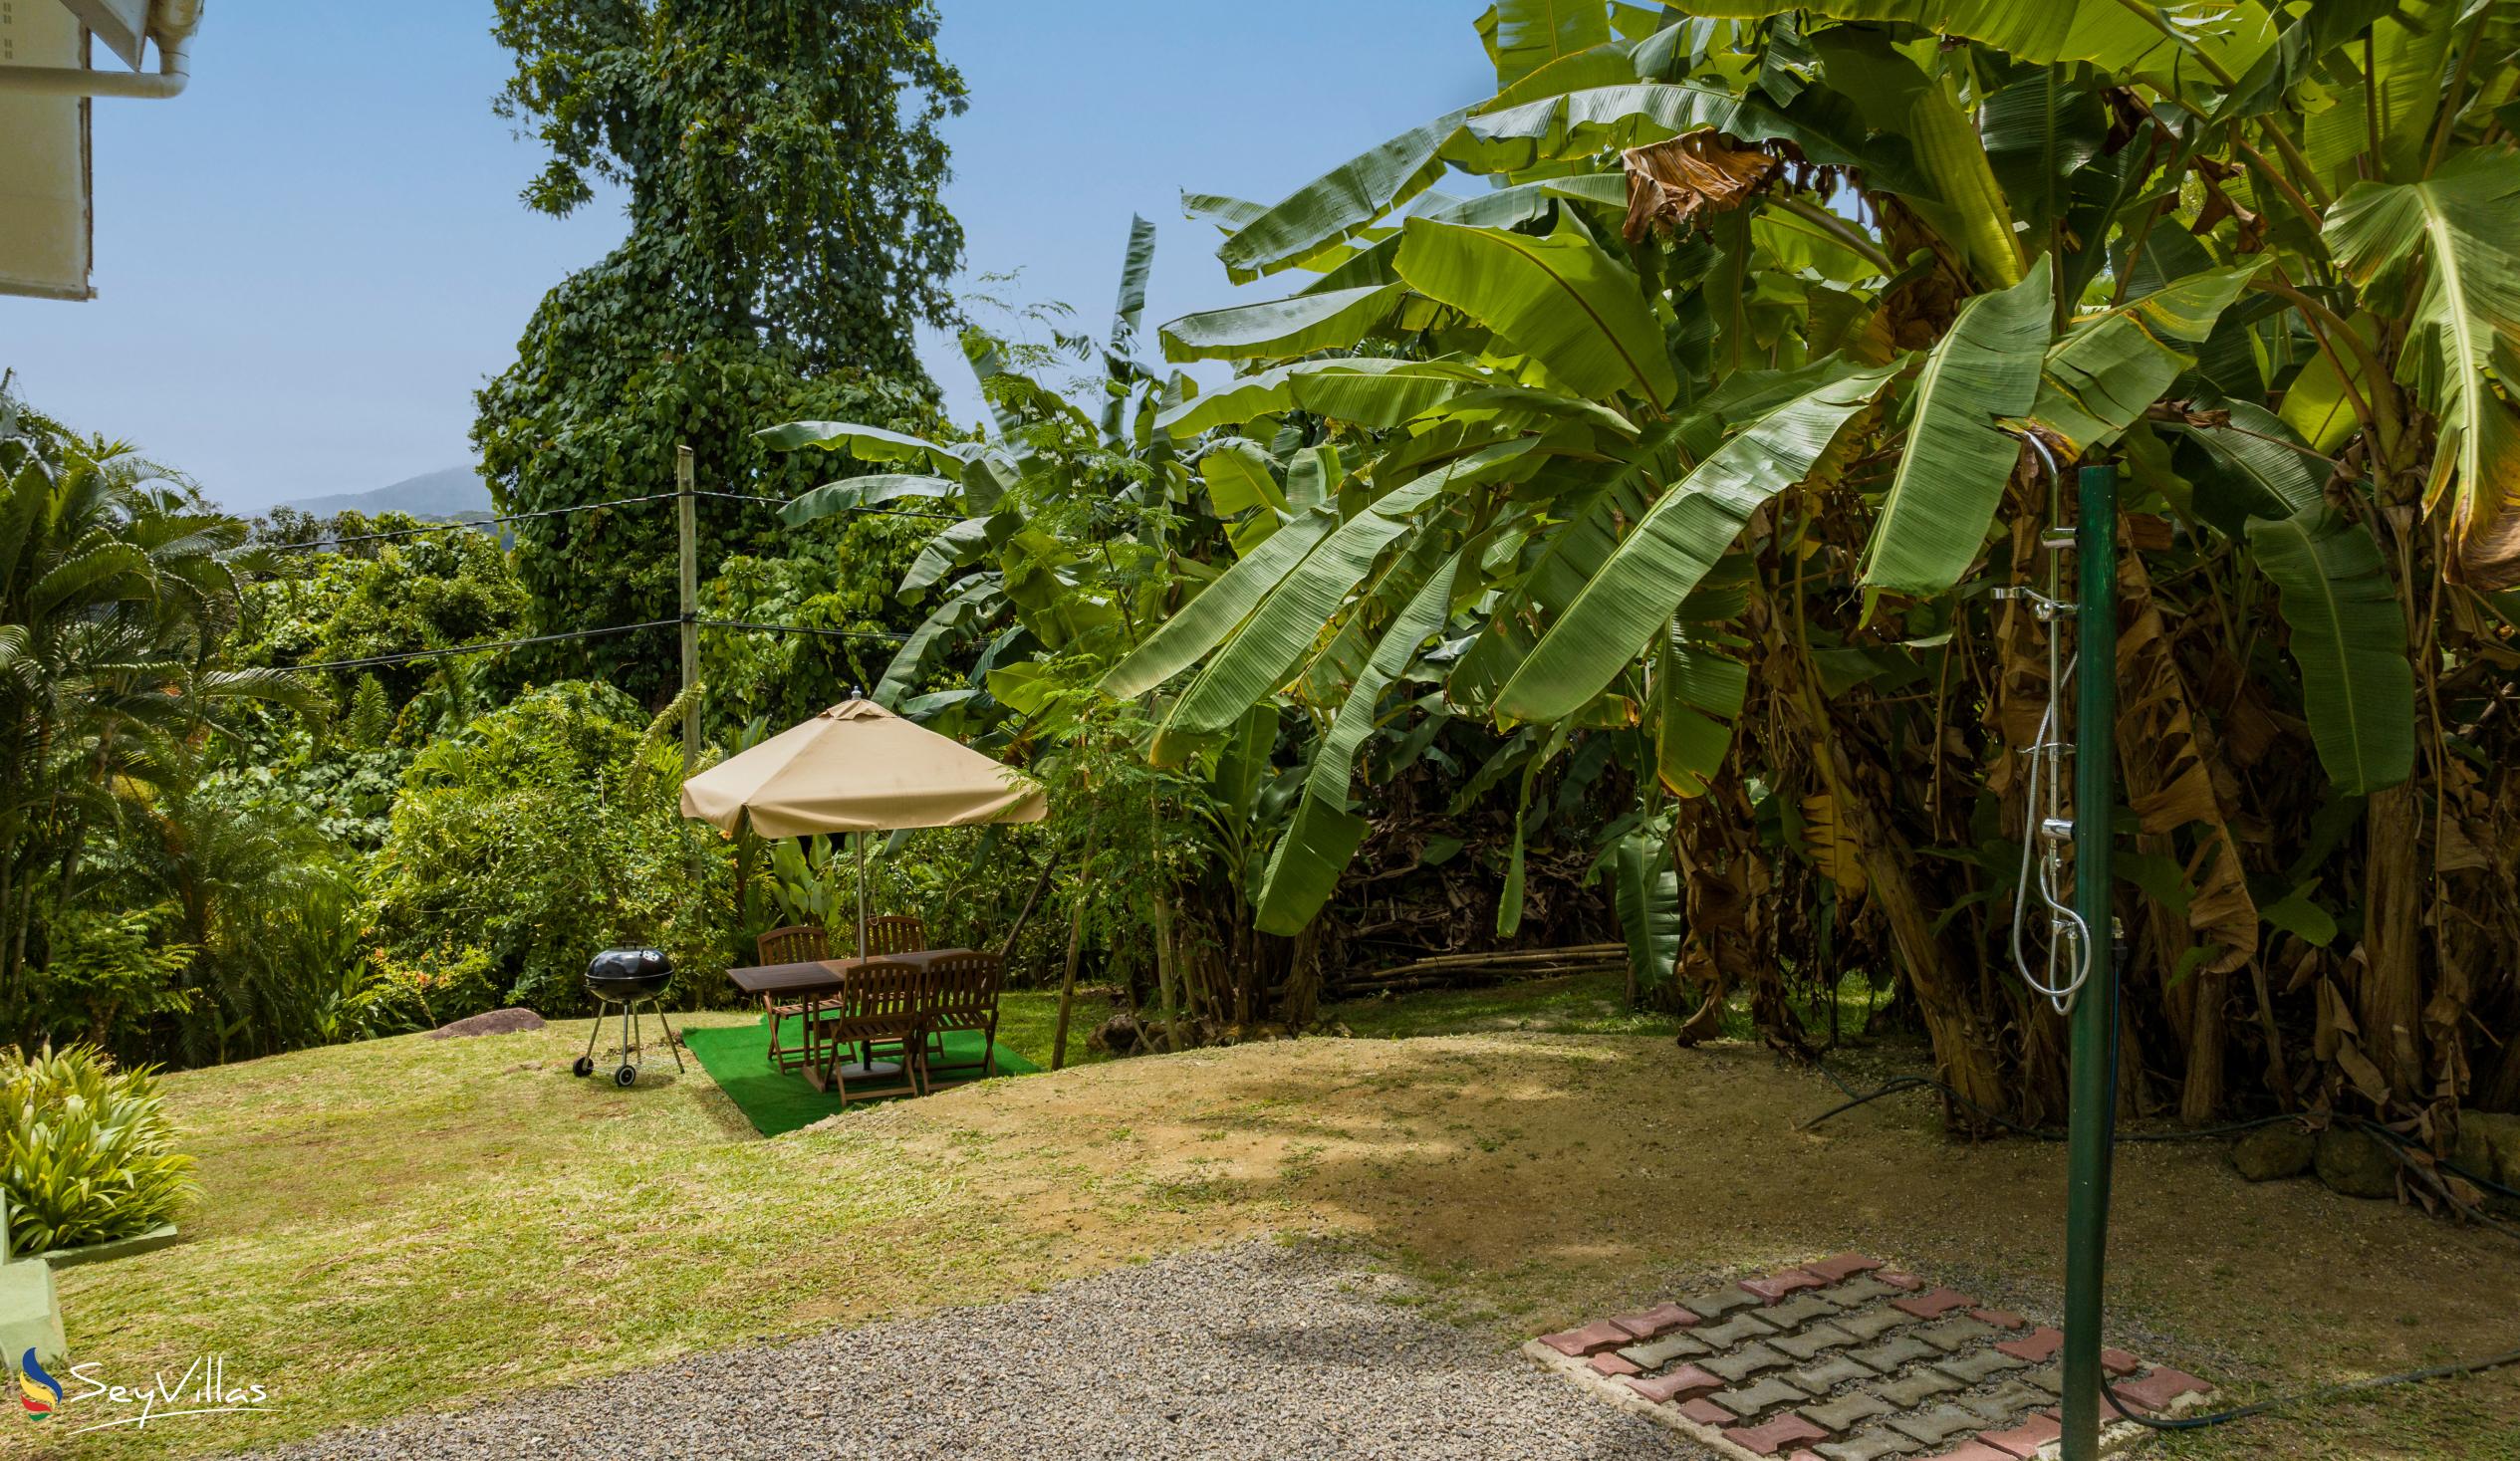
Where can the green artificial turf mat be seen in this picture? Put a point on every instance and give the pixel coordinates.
(776, 1100)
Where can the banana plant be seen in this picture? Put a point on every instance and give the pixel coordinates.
(1782, 312)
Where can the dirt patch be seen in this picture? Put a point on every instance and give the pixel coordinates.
(1539, 1179)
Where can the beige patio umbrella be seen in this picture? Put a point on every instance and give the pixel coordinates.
(858, 768)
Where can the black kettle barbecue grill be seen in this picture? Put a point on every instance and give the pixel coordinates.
(629, 978)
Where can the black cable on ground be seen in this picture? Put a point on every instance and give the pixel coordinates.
(2107, 1391)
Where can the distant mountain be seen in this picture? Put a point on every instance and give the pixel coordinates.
(443, 494)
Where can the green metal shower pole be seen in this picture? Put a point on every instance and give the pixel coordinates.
(2095, 1014)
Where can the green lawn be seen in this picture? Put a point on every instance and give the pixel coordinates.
(413, 1224)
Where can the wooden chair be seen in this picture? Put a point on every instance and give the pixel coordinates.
(796, 943)
(891, 934)
(896, 933)
(963, 994)
(880, 1003)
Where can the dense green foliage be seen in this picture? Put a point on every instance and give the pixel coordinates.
(779, 162)
(1688, 446)
(86, 1153)
(1714, 412)
(534, 836)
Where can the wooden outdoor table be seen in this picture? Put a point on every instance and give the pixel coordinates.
(815, 982)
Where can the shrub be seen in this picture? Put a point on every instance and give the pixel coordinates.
(534, 836)
(86, 1154)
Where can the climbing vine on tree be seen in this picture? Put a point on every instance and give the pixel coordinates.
(780, 166)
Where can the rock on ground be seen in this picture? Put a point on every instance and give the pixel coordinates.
(1255, 1352)
(2353, 1162)
(490, 1022)
(2489, 1147)
(2272, 1152)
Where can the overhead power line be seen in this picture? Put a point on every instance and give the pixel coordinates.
(405, 656)
(322, 544)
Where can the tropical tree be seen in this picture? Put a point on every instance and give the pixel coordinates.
(1718, 422)
(780, 165)
(116, 587)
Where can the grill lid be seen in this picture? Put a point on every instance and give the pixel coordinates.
(628, 966)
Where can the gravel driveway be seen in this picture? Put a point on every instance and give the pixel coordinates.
(1258, 1351)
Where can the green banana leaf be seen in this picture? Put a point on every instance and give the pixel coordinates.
(1584, 124)
(1306, 867)
(1339, 204)
(1239, 478)
(867, 443)
(2348, 636)
(2113, 35)
(1698, 694)
(1561, 298)
(1262, 652)
(1204, 622)
(1650, 911)
(2109, 370)
(1369, 391)
(1633, 596)
(1280, 329)
(2463, 224)
(1522, 36)
(1951, 474)
(850, 493)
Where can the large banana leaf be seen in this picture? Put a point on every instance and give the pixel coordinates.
(2348, 636)
(1650, 911)
(1201, 625)
(2118, 36)
(2317, 404)
(1238, 477)
(1523, 36)
(1952, 475)
(1698, 694)
(852, 493)
(2463, 225)
(1561, 298)
(1339, 204)
(1279, 329)
(2407, 48)
(865, 443)
(1611, 64)
(2039, 132)
(2109, 370)
(1380, 393)
(1317, 848)
(1263, 650)
(967, 604)
(1583, 123)
(2254, 468)
(1633, 596)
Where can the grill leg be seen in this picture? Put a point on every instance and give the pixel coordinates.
(671, 1044)
(626, 1047)
(595, 1027)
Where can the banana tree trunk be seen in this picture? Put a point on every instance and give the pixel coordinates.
(2389, 997)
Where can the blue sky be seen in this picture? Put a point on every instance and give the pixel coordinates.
(308, 262)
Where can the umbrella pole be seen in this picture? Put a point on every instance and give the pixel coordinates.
(861, 896)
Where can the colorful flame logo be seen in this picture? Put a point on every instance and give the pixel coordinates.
(38, 1391)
